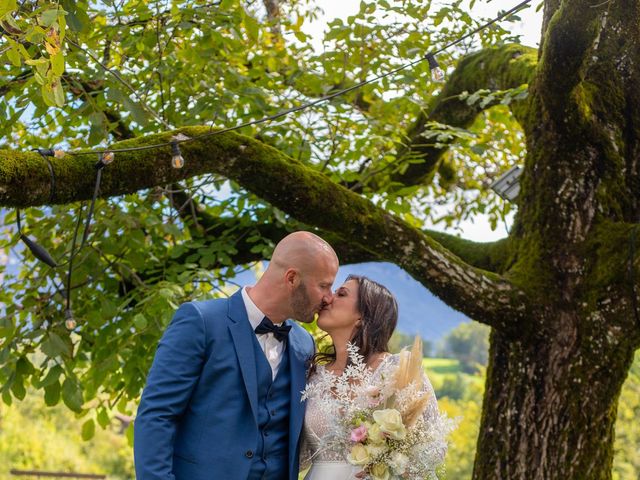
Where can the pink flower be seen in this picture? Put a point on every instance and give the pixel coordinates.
(359, 434)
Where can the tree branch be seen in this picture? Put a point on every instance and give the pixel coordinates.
(305, 194)
(496, 68)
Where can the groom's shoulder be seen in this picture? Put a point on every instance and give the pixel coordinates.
(302, 335)
(208, 307)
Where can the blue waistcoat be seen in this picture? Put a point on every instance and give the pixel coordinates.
(271, 459)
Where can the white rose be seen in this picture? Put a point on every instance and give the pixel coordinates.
(390, 422)
(379, 472)
(375, 435)
(359, 455)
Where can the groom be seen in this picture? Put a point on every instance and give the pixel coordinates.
(222, 400)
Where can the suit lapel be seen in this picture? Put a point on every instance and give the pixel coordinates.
(241, 332)
(297, 360)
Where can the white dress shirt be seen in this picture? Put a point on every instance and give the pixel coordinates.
(271, 347)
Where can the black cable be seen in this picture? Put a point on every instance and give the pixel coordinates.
(74, 252)
(18, 221)
(319, 100)
(91, 206)
(482, 27)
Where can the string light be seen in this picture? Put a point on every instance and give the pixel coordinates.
(177, 160)
(105, 159)
(69, 321)
(51, 152)
(437, 74)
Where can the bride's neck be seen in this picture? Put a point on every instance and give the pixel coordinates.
(342, 355)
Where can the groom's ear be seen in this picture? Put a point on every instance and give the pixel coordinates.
(292, 278)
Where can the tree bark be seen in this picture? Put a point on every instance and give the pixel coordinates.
(550, 405)
(552, 389)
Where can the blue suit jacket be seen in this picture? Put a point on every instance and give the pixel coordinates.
(197, 416)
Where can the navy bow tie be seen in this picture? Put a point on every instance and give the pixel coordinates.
(267, 326)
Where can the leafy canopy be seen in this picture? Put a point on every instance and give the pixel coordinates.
(80, 74)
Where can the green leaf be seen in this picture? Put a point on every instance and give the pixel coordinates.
(103, 418)
(47, 95)
(77, 19)
(7, 6)
(57, 63)
(14, 55)
(252, 26)
(55, 346)
(140, 321)
(138, 113)
(88, 430)
(52, 394)
(58, 94)
(52, 377)
(129, 434)
(72, 395)
(49, 16)
(17, 387)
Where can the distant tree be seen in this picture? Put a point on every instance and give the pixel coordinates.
(452, 387)
(469, 343)
(400, 340)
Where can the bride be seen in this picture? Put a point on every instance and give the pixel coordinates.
(363, 314)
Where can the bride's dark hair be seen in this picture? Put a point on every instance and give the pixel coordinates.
(379, 311)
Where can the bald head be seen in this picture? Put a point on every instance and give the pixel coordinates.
(298, 280)
(303, 251)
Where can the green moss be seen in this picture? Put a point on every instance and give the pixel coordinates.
(490, 256)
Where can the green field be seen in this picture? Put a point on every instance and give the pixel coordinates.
(447, 377)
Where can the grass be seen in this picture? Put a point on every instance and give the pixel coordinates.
(445, 373)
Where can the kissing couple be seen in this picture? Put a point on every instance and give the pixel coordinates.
(223, 399)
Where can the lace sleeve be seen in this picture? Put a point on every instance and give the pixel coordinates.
(432, 417)
(306, 453)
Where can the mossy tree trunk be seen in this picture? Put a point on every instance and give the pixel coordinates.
(557, 292)
(553, 384)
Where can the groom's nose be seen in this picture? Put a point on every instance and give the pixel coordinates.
(327, 299)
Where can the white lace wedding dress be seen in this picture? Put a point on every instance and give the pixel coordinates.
(331, 463)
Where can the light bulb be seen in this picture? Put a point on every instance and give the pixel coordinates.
(437, 74)
(176, 156)
(59, 153)
(107, 157)
(69, 322)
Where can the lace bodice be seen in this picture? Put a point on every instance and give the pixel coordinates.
(320, 418)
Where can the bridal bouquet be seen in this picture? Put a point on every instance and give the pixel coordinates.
(386, 421)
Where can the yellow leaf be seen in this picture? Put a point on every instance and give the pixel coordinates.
(51, 49)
